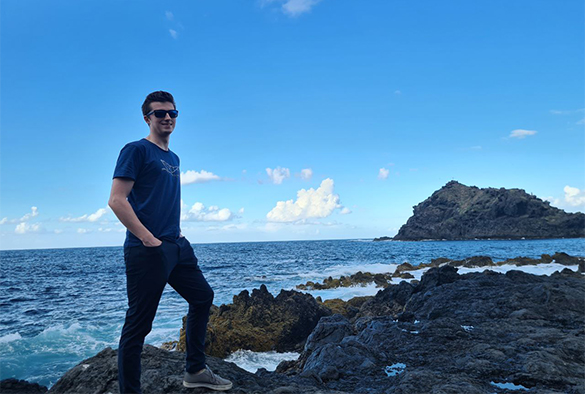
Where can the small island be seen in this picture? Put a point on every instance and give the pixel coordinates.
(460, 212)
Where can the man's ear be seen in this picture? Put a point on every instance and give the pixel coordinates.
(147, 120)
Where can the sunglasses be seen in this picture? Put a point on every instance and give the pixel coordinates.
(161, 113)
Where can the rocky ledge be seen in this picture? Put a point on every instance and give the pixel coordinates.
(458, 212)
(402, 271)
(447, 333)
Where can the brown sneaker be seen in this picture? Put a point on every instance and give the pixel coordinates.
(206, 379)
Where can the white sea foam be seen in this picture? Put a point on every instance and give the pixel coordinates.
(394, 369)
(346, 270)
(252, 361)
(509, 386)
(60, 329)
(10, 337)
(345, 293)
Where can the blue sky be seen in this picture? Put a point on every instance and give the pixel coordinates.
(299, 119)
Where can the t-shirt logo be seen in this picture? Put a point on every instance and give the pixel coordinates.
(173, 170)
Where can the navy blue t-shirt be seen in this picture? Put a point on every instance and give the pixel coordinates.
(156, 195)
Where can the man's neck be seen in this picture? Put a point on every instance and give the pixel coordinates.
(161, 142)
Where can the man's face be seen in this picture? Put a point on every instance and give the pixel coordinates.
(161, 126)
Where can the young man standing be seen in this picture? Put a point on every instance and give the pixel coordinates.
(146, 197)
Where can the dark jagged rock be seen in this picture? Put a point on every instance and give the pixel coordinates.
(358, 279)
(385, 238)
(388, 302)
(347, 308)
(448, 333)
(162, 373)
(262, 322)
(456, 333)
(457, 212)
(16, 386)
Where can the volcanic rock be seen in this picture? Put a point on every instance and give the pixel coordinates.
(458, 212)
(457, 333)
(162, 373)
(262, 322)
(16, 386)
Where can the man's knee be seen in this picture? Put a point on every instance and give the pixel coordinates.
(204, 300)
(210, 295)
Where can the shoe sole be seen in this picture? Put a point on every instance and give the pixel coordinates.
(208, 386)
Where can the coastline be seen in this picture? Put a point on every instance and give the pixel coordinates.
(397, 318)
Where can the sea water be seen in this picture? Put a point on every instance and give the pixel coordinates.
(60, 306)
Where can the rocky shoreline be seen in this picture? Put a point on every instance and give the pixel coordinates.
(446, 333)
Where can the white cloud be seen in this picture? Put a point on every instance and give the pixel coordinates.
(519, 133)
(310, 203)
(345, 211)
(228, 227)
(306, 174)
(574, 197)
(278, 174)
(580, 122)
(34, 212)
(86, 218)
(293, 8)
(566, 112)
(110, 230)
(58, 231)
(383, 173)
(174, 33)
(169, 15)
(241, 211)
(298, 7)
(198, 213)
(83, 231)
(198, 177)
(23, 228)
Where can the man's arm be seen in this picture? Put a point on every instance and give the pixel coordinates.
(121, 188)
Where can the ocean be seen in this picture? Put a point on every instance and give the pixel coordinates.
(60, 306)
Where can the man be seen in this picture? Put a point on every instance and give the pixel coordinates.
(146, 197)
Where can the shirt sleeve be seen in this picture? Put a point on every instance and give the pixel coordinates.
(129, 162)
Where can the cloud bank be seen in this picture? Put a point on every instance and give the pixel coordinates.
(309, 204)
(190, 176)
(198, 213)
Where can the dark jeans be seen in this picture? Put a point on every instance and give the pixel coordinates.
(148, 270)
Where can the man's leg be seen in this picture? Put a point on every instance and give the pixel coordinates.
(145, 282)
(188, 280)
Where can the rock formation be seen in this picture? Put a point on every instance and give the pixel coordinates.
(162, 373)
(447, 333)
(458, 212)
(455, 333)
(262, 322)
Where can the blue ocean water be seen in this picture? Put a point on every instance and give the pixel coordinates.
(60, 306)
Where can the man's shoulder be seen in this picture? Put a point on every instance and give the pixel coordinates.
(137, 143)
(134, 146)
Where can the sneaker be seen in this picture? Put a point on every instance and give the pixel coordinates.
(206, 379)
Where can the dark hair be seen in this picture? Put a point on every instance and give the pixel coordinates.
(158, 96)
